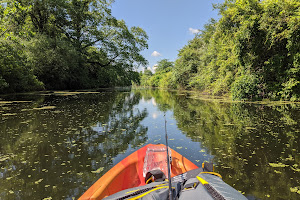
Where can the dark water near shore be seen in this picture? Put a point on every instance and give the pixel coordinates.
(56, 145)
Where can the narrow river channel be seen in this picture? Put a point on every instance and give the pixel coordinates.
(55, 145)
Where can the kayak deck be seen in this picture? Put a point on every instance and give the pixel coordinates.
(129, 173)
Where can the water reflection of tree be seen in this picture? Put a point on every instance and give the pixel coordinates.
(53, 152)
(244, 138)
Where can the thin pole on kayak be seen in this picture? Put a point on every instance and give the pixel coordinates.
(168, 160)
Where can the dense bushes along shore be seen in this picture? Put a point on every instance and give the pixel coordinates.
(251, 52)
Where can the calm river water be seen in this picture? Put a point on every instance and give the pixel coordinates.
(56, 145)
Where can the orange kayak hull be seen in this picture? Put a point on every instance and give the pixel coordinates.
(129, 173)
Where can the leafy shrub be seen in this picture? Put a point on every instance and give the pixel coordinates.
(154, 80)
(16, 73)
(197, 82)
(3, 83)
(287, 92)
(244, 87)
(166, 81)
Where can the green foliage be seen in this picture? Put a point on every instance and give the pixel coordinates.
(258, 37)
(145, 78)
(166, 81)
(164, 66)
(134, 77)
(288, 89)
(188, 63)
(154, 80)
(161, 78)
(244, 87)
(16, 75)
(54, 65)
(3, 84)
(71, 44)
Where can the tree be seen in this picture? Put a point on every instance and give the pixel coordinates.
(252, 51)
(16, 74)
(145, 77)
(74, 43)
(163, 66)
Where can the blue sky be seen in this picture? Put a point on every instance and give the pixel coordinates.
(168, 23)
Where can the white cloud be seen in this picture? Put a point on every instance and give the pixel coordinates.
(154, 103)
(154, 67)
(194, 31)
(154, 115)
(155, 54)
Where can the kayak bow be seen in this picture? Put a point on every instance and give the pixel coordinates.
(129, 173)
(143, 175)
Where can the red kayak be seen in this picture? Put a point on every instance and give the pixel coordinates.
(131, 171)
(144, 175)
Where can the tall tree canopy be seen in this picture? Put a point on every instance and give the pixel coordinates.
(69, 44)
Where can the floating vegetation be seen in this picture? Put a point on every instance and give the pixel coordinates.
(295, 189)
(10, 102)
(290, 158)
(250, 128)
(45, 108)
(9, 114)
(295, 169)
(38, 181)
(47, 198)
(4, 157)
(98, 170)
(67, 93)
(228, 124)
(277, 165)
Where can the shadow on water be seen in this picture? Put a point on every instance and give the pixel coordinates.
(55, 145)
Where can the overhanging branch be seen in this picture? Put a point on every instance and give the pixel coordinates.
(103, 65)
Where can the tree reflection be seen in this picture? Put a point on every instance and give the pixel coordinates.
(54, 152)
(255, 146)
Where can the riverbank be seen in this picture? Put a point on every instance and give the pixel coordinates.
(69, 92)
(194, 94)
(203, 95)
